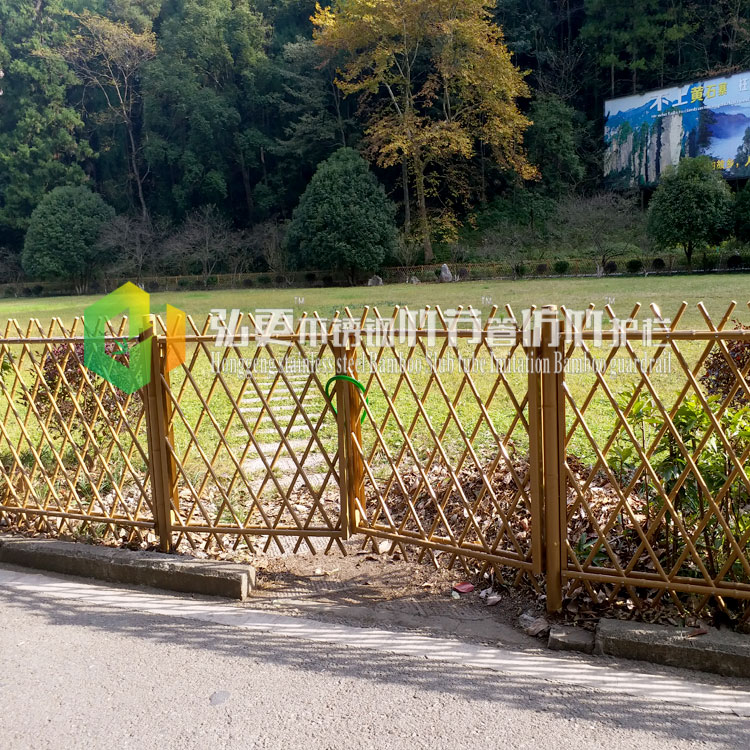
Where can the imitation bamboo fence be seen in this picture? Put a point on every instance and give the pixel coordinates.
(583, 452)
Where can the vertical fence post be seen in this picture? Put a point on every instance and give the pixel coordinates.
(161, 466)
(356, 462)
(553, 454)
(342, 421)
(536, 469)
(351, 465)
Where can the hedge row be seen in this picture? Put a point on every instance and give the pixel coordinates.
(392, 275)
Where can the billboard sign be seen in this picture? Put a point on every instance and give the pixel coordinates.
(646, 133)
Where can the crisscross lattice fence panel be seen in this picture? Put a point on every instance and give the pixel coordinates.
(73, 448)
(657, 459)
(253, 441)
(445, 441)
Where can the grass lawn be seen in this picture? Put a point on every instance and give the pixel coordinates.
(715, 290)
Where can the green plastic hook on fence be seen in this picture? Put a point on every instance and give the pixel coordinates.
(351, 380)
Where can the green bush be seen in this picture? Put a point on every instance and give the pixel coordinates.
(742, 215)
(658, 264)
(46, 457)
(561, 267)
(634, 265)
(734, 262)
(708, 262)
(62, 241)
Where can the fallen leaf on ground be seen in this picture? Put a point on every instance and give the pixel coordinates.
(698, 631)
(531, 625)
(464, 588)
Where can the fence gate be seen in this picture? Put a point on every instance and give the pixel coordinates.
(252, 445)
(237, 446)
(439, 460)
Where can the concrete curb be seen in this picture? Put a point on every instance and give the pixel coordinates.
(171, 572)
(722, 652)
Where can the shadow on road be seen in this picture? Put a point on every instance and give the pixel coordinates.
(503, 690)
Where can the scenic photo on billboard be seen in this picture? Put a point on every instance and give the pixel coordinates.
(646, 133)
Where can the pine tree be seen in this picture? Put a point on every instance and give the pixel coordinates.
(344, 219)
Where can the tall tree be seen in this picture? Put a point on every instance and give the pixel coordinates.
(205, 116)
(554, 141)
(41, 143)
(691, 208)
(722, 35)
(318, 118)
(439, 80)
(110, 56)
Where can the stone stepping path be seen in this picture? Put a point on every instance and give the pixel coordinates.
(283, 405)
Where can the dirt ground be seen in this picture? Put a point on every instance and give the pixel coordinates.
(379, 588)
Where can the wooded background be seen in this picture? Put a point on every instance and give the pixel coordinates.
(197, 120)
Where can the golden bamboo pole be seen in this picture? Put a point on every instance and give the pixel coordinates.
(553, 458)
(342, 397)
(354, 438)
(163, 487)
(535, 462)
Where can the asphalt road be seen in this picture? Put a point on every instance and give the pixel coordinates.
(76, 674)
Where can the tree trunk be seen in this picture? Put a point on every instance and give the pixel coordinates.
(248, 188)
(483, 164)
(136, 171)
(689, 253)
(263, 164)
(407, 197)
(339, 118)
(424, 223)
